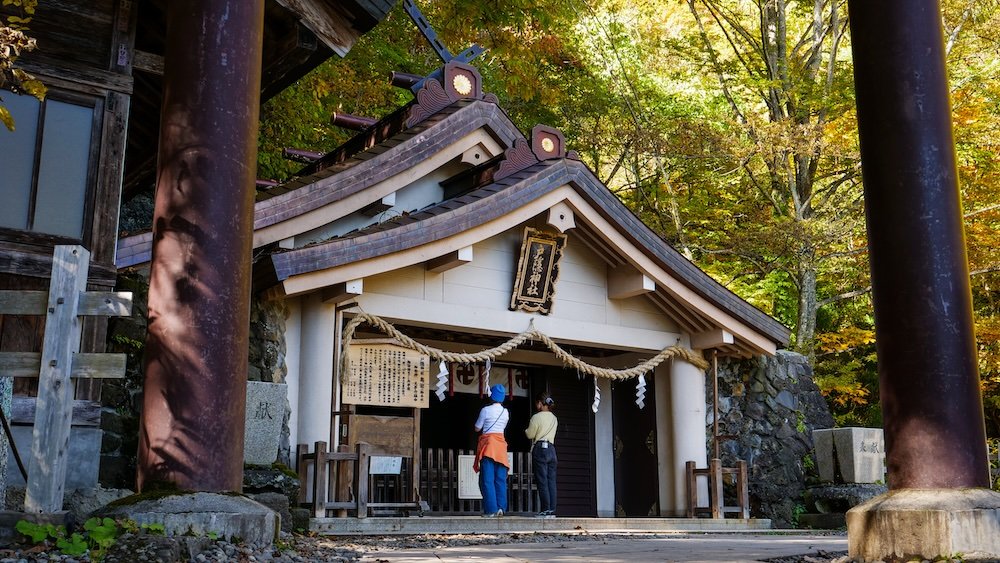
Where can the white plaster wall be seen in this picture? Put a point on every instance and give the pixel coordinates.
(666, 466)
(604, 445)
(487, 283)
(293, 344)
(417, 195)
(316, 370)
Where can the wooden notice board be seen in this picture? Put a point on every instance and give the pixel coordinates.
(385, 374)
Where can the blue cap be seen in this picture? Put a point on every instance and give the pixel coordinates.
(498, 392)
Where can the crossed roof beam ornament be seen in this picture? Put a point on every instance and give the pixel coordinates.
(469, 54)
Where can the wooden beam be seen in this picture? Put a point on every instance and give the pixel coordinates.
(92, 303)
(148, 62)
(477, 155)
(85, 365)
(450, 260)
(85, 413)
(384, 204)
(343, 291)
(622, 285)
(711, 339)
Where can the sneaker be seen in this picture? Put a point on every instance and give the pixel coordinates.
(541, 514)
(550, 514)
(500, 513)
(492, 514)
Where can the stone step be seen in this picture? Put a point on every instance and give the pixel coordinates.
(526, 524)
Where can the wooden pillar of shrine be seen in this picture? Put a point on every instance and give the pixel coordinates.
(191, 434)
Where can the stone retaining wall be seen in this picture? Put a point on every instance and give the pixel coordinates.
(771, 406)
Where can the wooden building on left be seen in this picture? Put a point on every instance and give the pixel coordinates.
(92, 142)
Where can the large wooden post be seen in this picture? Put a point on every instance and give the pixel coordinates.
(196, 355)
(929, 380)
(939, 503)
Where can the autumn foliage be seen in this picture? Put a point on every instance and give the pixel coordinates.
(728, 126)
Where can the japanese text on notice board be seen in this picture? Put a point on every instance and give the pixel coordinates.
(387, 375)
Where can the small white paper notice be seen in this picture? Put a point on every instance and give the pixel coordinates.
(384, 465)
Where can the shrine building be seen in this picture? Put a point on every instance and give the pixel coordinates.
(447, 224)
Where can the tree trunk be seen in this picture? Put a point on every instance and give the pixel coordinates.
(805, 331)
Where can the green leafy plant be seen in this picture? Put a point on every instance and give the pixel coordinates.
(808, 463)
(75, 545)
(97, 536)
(14, 40)
(38, 533)
(800, 422)
(102, 532)
(797, 511)
(155, 529)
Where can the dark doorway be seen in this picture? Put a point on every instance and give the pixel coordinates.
(636, 482)
(575, 476)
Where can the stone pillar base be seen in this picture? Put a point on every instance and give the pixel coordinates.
(226, 516)
(926, 524)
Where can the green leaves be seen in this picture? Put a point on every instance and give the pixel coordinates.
(98, 535)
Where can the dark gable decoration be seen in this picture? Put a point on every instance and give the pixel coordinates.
(537, 271)
(461, 81)
(546, 143)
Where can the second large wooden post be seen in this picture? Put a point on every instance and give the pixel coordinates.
(191, 433)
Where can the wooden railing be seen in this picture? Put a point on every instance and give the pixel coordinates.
(439, 484)
(323, 490)
(717, 507)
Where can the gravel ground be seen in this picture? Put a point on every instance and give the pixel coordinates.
(312, 549)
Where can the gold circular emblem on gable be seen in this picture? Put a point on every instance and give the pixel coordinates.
(462, 84)
(548, 145)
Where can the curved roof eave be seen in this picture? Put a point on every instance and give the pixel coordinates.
(496, 200)
(356, 174)
(383, 161)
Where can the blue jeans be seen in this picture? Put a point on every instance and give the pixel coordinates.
(543, 464)
(493, 485)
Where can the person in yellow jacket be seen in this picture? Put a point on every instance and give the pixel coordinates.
(491, 453)
(542, 432)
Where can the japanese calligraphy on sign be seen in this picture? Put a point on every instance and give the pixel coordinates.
(537, 271)
(387, 374)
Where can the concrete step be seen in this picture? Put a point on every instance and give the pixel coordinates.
(524, 524)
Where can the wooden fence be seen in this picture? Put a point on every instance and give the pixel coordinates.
(59, 364)
(436, 494)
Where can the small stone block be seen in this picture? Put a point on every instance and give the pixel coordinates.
(860, 454)
(265, 415)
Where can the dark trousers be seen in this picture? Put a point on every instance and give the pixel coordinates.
(543, 463)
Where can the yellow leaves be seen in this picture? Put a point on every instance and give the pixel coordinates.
(6, 118)
(844, 394)
(844, 340)
(35, 88)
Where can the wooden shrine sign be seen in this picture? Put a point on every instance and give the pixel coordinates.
(537, 271)
(384, 373)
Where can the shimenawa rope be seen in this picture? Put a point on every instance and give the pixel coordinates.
(493, 353)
